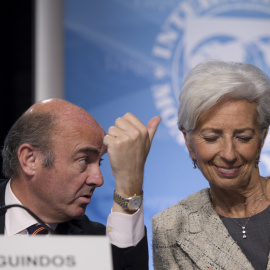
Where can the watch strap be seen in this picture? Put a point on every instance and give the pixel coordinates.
(123, 202)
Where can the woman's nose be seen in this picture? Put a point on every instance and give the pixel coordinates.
(228, 151)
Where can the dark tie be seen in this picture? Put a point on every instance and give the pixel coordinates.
(37, 229)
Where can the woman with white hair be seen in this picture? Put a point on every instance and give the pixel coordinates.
(224, 114)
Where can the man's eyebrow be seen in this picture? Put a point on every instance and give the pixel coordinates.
(87, 150)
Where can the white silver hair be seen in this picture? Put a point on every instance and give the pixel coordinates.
(212, 81)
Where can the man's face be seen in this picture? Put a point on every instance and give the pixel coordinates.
(65, 190)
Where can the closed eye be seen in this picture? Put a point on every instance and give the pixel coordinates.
(244, 139)
(210, 139)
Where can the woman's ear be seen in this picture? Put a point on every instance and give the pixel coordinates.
(27, 155)
(188, 145)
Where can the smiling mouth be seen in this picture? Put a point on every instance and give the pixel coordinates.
(228, 171)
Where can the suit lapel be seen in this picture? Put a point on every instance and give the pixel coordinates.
(81, 226)
(68, 228)
(208, 243)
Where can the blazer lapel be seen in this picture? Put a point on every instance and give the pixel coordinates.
(208, 242)
(268, 265)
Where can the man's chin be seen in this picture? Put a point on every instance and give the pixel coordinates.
(75, 213)
(80, 211)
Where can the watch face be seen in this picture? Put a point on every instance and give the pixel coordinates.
(135, 203)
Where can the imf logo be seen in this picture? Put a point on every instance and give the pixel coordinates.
(197, 30)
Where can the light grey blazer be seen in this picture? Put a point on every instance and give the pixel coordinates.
(190, 235)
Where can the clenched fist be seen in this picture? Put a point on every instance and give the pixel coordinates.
(128, 143)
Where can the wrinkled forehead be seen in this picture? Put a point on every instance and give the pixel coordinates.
(235, 109)
(75, 133)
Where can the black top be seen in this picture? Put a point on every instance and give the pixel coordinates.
(256, 244)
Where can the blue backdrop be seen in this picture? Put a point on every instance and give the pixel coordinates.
(131, 56)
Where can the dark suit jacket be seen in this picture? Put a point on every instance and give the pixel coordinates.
(131, 258)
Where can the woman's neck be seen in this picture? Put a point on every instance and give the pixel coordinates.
(241, 203)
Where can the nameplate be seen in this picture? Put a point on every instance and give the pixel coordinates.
(55, 252)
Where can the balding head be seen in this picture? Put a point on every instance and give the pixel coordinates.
(36, 127)
(57, 107)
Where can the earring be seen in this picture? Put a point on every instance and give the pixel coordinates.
(257, 160)
(194, 163)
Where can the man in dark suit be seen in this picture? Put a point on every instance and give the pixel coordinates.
(52, 156)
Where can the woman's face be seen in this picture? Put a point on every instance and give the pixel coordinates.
(226, 143)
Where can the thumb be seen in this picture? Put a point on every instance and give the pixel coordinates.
(152, 126)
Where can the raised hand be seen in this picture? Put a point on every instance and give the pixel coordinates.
(128, 143)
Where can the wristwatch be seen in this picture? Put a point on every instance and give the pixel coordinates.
(132, 203)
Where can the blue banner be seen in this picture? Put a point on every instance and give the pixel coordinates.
(132, 56)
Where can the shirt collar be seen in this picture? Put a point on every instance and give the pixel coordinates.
(17, 220)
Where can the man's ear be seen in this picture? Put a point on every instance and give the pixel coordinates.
(27, 155)
(188, 145)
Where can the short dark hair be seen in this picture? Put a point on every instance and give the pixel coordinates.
(34, 128)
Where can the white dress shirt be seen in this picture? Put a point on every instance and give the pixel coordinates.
(123, 230)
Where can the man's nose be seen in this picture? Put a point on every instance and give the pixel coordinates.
(94, 176)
